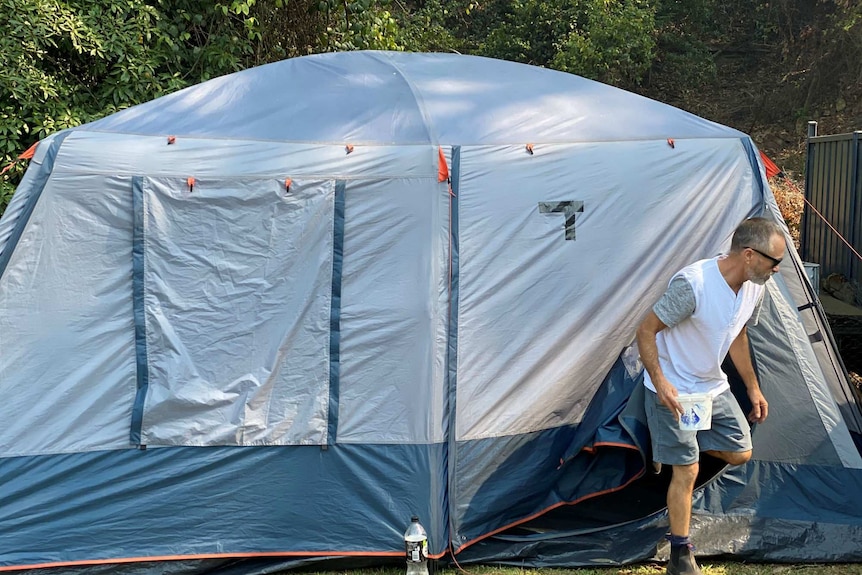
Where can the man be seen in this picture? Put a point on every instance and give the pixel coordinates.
(682, 342)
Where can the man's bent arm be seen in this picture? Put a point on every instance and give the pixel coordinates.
(646, 335)
(740, 354)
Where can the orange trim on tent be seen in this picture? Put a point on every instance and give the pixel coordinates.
(442, 168)
(552, 507)
(614, 444)
(213, 556)
(29, 152)
(592, 448)
(772, 168)
(25, 155)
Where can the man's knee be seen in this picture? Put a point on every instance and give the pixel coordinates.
(739, 457)
(685, 473)
(732, 457)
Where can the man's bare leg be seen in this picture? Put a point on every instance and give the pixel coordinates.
(679, 498)
(679, 514)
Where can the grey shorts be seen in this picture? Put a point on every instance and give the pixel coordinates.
(673, 446)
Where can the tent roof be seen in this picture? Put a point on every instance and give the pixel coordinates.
(409, 98)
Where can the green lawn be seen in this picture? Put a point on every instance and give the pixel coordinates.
(709, 568)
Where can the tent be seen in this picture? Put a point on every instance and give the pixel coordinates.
(272, 316)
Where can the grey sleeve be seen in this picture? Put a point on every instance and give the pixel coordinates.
(677, 303)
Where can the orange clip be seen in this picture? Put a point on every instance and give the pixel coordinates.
(287, 183)
(670, 143)
(28, 154)
(191, 183)
(529, 149)
(348, 148)
(442, 168)
(171, 139)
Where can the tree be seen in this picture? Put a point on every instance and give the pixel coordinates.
(64, 63)
(607, 40)
(610, 41)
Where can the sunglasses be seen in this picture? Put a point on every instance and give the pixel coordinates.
(775, 261)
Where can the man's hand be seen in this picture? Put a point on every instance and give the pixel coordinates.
(759, 406)
(667, 394)
(740, 353)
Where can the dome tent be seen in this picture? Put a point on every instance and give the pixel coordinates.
(276, 314)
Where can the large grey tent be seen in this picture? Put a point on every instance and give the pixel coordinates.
(274, 315)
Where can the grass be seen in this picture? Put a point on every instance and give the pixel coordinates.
(708, 568)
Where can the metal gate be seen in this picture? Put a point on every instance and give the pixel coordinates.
(833, 186)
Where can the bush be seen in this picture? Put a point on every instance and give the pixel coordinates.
(791, 203)
(66, 63)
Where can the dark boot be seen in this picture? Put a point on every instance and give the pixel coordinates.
(682, 561)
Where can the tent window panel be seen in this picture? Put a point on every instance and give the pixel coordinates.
(237, 292)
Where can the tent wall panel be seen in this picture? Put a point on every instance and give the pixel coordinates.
(66, 331)
(747, 512)
(17, 213)
(782, 353)
(631, 542)
(503, 480)
(815, 324)
(393, 312)
(520, 276)
(532, 473)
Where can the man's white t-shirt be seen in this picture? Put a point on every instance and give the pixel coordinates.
(703, 316)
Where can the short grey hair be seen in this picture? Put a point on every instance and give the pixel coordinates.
(754, 233)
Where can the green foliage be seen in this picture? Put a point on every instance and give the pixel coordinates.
(357, 25)
(64, 63)
(847, 23)
(684, 30)
(432, 27)
(612, 42)
(609, 40)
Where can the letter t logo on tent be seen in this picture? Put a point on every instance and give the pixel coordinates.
(569, 209)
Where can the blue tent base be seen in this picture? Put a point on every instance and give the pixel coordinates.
(256, 566)
(755, 527)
